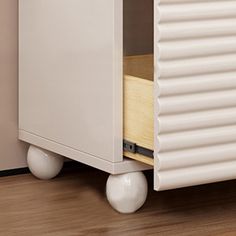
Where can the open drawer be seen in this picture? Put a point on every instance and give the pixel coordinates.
(139, 108)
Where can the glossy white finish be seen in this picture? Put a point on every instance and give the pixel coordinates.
(126, 165)
(127, 192)
(195, 95)
(44, 164)
(70, 74)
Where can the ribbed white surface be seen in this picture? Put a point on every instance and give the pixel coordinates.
(195, 87)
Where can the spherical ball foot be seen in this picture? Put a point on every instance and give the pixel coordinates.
(44, 164)
(127, 192)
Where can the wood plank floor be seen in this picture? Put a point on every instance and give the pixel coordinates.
(74, 204)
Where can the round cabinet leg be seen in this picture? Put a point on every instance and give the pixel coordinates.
(44, 164)
(127, 192)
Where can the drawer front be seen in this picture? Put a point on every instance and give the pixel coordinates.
(195, 92)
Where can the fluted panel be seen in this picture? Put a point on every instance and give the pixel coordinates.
(199, 10)
(192, 29)
(196, 48)
(197, 84)
(195, 175)
(195, 92)
(196, 120)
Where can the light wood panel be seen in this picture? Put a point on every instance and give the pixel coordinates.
(140, 158)
(74, 204)
(139, 66)
(138, 104)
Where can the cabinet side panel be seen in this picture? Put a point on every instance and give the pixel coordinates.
(70, 73)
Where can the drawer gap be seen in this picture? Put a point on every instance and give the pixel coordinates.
(139, 108)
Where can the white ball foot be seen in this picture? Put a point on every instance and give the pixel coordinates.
(44, 164)
(127, 192)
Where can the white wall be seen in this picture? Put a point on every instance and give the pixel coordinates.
(12, 152)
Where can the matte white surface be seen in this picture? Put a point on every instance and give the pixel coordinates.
(202, 174)
(195, 103)
(196, 138)
(125, 166)
(70, 74)
(195, 66)
(203, 9)
(127, 192)
(196, 156)
(196, 120)
(197, 84)
(44, 164)
(196, 29)
(196, 47)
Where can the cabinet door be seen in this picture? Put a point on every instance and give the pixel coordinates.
(70, 74)
(195, 96)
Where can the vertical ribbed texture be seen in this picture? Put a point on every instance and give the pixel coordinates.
(195, 89)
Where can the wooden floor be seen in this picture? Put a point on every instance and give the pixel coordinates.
(75, 204)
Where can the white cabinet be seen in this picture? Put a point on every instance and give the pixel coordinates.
(81, 95)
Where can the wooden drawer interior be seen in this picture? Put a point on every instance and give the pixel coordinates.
(138, 67)
(138, 104)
